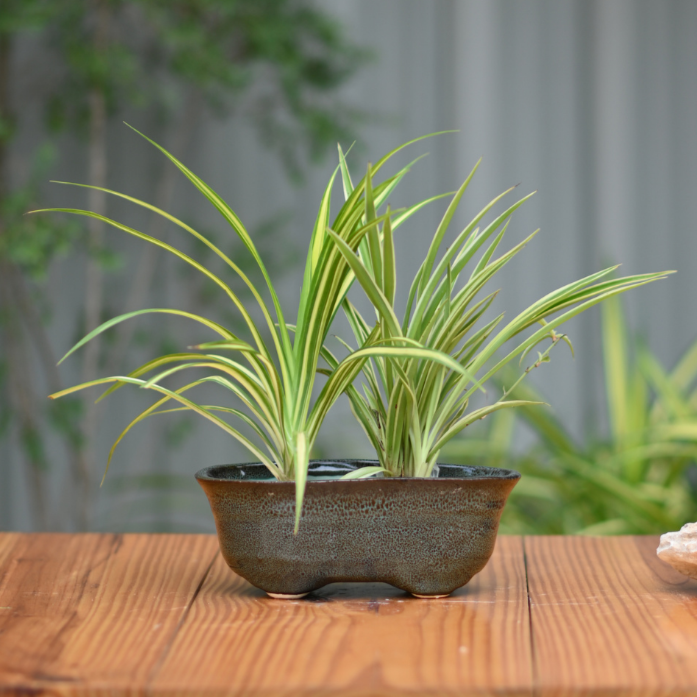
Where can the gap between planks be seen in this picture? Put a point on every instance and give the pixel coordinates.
(182, 619)
(93, 610)
(600, 616)
(86, 609)
(356, 639)
(533, 676)
(608, 617)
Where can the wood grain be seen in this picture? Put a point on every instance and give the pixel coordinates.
(356, 639)
(157, 615)
(608, 617)
(8, 540)
(91, 613)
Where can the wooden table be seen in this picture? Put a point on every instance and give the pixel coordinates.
(162, 614)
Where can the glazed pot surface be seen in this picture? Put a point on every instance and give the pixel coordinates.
(426, 536)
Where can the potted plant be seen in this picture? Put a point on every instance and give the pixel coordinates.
(290, 525)
(411, 406)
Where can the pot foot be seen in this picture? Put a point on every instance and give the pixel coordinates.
(431, 597)
(286, 596)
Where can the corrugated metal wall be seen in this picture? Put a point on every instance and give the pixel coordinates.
(591, 102)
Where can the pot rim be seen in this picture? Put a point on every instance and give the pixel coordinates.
(492, 473)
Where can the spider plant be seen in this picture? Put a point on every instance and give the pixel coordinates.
(410, 407)
(633, 481)
(273, 384)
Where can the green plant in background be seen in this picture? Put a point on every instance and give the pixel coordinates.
(281, 420)
(412, 407)
(637, 480)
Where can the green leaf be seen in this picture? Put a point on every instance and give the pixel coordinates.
(147, 367)
(442, 229)
(301, 466)
(616, 360)
(409, 212)
(128, 315)
(480, 414)
(315, 250)
(389, 261)
(364, 472)
(371, 289)
(256, 452)
(240, 306)
(231, 217)
(151, 411)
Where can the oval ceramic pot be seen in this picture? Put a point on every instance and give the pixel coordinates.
(427, 536)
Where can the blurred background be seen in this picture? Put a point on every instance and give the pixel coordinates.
(593, 103)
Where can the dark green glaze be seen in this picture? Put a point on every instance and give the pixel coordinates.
(425, 536)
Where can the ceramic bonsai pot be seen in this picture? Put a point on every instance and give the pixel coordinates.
(425, 536)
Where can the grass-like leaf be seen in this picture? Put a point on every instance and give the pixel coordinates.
(414, 403)
(634, 479)
(274, 381)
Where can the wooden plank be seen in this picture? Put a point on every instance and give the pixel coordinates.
(94, 612)
(356, 639)
(608, 617)
(8, 540)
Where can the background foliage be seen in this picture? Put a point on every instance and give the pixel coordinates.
(640, 479)
(277, 61)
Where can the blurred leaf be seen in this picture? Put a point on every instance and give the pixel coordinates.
(641, 479)
(66, 416)
(176, 433)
